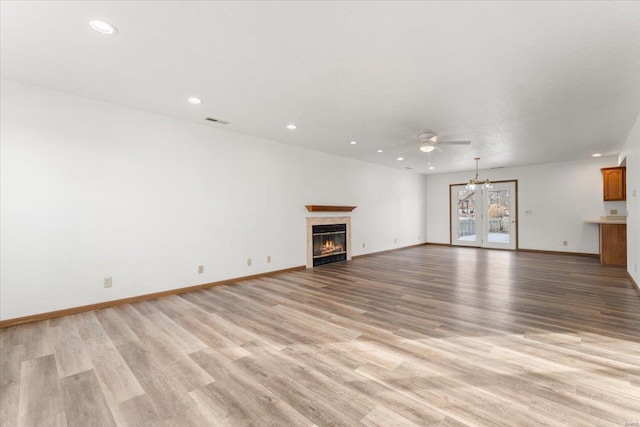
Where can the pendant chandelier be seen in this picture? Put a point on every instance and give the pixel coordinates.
(474, 182)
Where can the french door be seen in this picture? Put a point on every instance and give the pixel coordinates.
(484, 217)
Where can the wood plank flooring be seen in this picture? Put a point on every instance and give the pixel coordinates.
(428, 336)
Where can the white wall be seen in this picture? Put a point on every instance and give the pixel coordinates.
(91, 190)
(560, 197)
(631, 152)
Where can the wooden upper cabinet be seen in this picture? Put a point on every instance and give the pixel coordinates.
(614, 183)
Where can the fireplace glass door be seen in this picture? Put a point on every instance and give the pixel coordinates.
(329, 243)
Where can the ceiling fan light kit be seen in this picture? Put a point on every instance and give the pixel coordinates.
(473, 182)
(427, 148)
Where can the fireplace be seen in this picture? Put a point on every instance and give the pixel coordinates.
(329, 243)
(328, 240)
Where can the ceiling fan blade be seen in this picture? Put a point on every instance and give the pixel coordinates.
(412, 147)
(455, 142)
(400, 146)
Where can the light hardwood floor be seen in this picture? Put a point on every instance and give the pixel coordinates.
(425, 336)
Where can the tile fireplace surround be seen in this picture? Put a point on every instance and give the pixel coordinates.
(311, 221)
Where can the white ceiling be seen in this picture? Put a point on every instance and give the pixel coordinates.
(527, 83)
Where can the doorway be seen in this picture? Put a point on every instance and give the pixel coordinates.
(485, 217)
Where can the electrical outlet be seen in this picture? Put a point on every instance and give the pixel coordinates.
(565, 243)
(395, 240)
(613, 211)
(200, 269)
(268, 258)
(363, 246)
(108, 282)
(527, 212)
(248, 262)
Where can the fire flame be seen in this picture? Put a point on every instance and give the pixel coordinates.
(329, 247)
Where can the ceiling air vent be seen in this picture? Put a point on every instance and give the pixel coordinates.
(222, 122)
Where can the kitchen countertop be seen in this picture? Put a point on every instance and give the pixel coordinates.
(606, 221)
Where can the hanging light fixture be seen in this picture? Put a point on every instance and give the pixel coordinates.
(474, 182)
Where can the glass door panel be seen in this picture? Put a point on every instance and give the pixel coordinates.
(499, 216)
(465, 225)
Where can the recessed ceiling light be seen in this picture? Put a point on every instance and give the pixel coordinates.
(400, 158)
(353, 142)
(431, 168)
(596, 155)
(103, 27)
(291, 127)
(194, 101)
(379, 151)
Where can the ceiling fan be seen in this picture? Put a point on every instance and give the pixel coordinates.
(429, 141)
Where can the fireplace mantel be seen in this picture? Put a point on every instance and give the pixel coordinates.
(324, 208)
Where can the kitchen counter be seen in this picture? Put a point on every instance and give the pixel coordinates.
(612, 219)
(605, 221)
